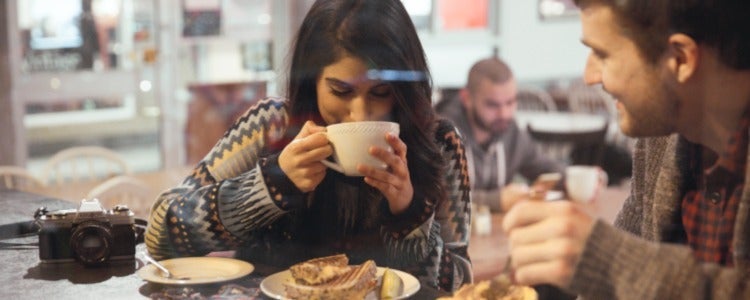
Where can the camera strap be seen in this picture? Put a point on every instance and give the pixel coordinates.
(18, 229)
(140, 229)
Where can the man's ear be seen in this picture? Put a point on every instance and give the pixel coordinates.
(465, 97)
(683, 56)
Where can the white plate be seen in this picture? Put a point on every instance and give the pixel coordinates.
(198, 270)
(273, 286)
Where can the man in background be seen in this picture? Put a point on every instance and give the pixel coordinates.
(680, 71)
(497, 150)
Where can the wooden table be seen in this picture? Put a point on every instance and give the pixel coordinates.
(25, 277)
(489, 253)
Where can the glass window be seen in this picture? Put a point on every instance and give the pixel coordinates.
(557, 8)
(420, 12)
(439, 16)
(463, 14)
(69, 35)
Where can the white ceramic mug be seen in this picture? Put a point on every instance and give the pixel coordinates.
(351, 143)
(582, 183)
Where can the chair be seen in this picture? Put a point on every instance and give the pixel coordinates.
(534, 99)
(594, 100)
(124, 189)
(17, 178)
(83, 163)
(445, 97)
(591, 100)
(573, 148)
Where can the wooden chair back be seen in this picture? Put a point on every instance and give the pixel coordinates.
(124, 189)
(20, 179)
(534, 99)
(83, 163)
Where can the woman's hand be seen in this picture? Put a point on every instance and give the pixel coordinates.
(394, 182)
(300, 160)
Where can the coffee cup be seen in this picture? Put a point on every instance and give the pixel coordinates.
(583, 183)
(351, 142)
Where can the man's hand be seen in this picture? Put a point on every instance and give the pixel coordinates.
(300, 160)
(512, 194)
(546, 240)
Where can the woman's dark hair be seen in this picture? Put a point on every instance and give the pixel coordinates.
(723, 25)
(381, 34)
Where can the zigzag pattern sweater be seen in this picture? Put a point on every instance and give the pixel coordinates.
(237, 198)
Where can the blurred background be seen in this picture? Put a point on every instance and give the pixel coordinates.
(159, 81)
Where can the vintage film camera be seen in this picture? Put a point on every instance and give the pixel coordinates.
(89, 234)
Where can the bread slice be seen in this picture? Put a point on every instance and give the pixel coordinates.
(499, 288)
(356, 284)
(320, 270)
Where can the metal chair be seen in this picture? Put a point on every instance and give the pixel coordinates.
(594, 100)
(591, 100)
(535, 99)
(579, 148)
(124, 189)
(83, 163)
(20, 179)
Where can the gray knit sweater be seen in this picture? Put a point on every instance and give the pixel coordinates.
(487, 174)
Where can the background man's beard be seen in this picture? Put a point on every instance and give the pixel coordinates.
(495, 127)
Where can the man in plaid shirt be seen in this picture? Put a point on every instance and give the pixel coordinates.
(680, 71)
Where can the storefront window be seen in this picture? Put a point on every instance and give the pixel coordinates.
(69, 35)
(550, 9)
(451, 15)
(420, 12)
(463, 14)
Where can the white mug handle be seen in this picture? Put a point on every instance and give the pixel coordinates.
(333, 165)
(603, 182)
(603, 177)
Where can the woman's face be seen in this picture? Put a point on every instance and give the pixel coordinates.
(346, 94)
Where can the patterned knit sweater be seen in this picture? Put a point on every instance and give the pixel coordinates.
(237, 198)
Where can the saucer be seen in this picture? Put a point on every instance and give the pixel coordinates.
(197, 270)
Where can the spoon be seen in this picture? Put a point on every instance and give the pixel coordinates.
(165, 272)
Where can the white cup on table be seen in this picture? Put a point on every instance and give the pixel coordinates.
(584, 183)
(351, 142)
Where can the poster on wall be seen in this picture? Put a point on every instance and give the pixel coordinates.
(201, 18)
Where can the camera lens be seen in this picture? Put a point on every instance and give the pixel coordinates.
(91, 242)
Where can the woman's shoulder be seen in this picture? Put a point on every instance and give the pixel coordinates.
(272, 103)
(446, 132)
(269, 107)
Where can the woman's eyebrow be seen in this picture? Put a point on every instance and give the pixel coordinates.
(339, 82)
(336, 81)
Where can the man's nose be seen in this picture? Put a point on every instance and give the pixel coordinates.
(592, 74)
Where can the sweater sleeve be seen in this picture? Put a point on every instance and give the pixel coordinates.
(231, 192)
(618, 265)
(454, 216)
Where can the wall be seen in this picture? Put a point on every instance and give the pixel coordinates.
(537, 50)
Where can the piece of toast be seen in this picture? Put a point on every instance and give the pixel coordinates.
(499, 288)
(356, 284)
(320, 270)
